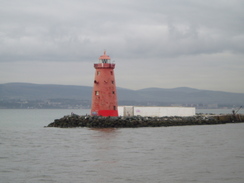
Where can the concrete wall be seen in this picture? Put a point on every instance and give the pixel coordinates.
(156, 111)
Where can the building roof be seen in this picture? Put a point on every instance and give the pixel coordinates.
(104, 56)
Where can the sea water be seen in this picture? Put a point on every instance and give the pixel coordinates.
(186, 154)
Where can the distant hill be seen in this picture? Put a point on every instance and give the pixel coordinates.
(43, 91)
(185, 95)
(148, 96)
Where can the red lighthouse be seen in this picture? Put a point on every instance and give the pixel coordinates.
(104, 95)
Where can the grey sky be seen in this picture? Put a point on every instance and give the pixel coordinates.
(156, 43)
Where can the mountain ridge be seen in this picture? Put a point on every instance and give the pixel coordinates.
(147, 96)
(182, 88)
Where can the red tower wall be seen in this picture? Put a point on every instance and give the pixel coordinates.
(104, 95)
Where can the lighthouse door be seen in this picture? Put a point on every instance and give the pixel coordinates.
(128, 111)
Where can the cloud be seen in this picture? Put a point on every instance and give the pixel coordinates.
(149, 33)
(72, 30)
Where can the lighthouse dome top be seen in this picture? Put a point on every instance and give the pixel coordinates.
(104, 58)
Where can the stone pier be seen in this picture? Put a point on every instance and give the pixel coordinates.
(74, 121)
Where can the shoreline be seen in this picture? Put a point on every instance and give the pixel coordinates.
(75, 121)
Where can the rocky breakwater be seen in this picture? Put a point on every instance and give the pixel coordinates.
(73, 121)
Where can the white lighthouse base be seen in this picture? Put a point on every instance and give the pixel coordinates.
(156, 111)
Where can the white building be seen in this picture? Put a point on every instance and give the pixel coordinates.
(156, 111)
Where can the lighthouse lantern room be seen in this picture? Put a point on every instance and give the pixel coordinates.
(104, 95)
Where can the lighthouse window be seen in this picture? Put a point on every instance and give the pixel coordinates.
(114, 107)
(98, 72)
(112, 82)
(113, 92)
(111, 72)
(104, 60)
(96, 92)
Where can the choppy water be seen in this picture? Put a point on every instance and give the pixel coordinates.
(30, 153)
